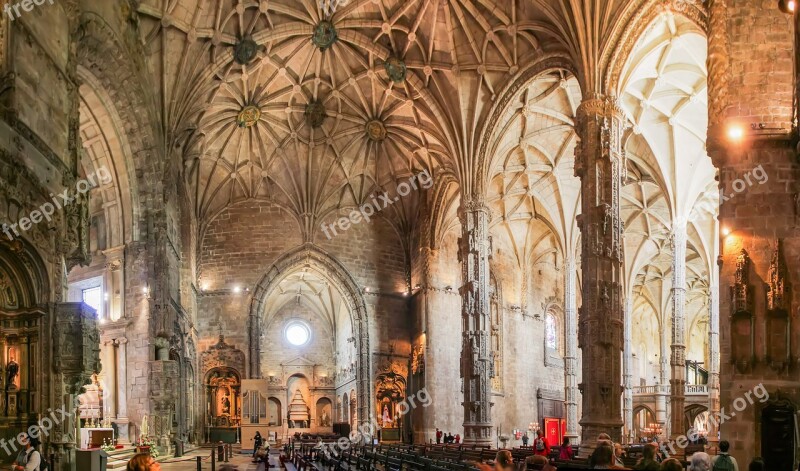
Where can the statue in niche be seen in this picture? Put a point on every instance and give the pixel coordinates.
(387, 420)
(226, 404)
(12, 369)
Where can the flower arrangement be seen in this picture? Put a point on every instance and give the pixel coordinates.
(147, 444)
(108, 445)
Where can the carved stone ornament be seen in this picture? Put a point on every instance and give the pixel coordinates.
(245, 51)
(418, 359)
(315, 114)
(222, 355)
(76, 345)
(249, 116)
(741, 291)
(324, 35)
(778, 281)
(376, 130)
(395, 69)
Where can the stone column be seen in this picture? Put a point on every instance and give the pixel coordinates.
(571, 350)
(600, 165)
(476, 362)
(677, 381)
(662, 400)
(627, 372)
(713, 369)
(121, 347)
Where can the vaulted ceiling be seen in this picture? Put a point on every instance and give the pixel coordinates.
(279, 101)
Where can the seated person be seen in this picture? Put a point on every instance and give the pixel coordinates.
(539, 462)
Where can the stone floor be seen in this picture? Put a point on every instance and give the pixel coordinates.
(188, 462)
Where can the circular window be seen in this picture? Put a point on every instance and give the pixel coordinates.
(297, 333)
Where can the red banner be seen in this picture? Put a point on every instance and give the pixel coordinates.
(552, 430)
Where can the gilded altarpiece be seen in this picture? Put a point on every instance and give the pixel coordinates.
(223, 366)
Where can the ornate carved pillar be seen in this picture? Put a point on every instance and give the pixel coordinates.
(662, 400)
(713, 369)
(600, 165)
(627, 372)
(476, 362)
(678, 347)
(571, 350)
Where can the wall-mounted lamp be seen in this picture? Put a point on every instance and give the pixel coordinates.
(735, 132)
(787, 6)
(726, 231)
(237, 289)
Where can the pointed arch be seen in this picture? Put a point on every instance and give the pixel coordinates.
(310, 256)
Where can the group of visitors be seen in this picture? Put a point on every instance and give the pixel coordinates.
(447, 438)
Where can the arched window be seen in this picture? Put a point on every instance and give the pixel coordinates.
(550, 332)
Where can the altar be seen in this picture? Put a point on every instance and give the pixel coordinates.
(95, 437)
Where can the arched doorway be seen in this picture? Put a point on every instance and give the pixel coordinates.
(779, 435)
(645, 426)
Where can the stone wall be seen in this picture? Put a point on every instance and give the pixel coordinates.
(761, 44)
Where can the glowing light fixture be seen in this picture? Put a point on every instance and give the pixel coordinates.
(735, 132)
(237, 289)
(787, 6)
(726, 231)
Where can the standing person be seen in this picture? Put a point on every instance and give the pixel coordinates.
(458, 438)
(438, 436)
(28, 459)
(525, 439)
(143, 462)
(540, 445)
(257, 442)
(566, 453)
(723, 461)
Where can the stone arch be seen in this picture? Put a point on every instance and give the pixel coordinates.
(105, 57)
(487, 133)
(311, 256)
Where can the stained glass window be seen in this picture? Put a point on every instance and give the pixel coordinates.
(550, 337)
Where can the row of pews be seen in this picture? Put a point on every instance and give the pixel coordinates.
(396, 457)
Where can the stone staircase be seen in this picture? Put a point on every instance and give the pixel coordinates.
(118, 459)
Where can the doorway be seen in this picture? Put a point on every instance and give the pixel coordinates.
(778, 436)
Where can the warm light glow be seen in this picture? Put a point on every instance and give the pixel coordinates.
(237, 289)
(145, 290)
(787, 6)
(204, 286)
(735, 132)
(725, 231)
